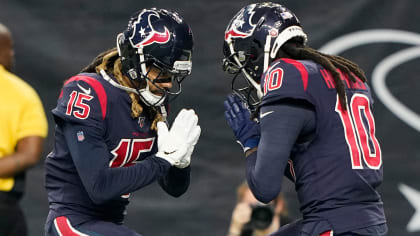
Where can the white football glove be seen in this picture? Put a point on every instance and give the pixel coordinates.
(186, 160)
(173, 145)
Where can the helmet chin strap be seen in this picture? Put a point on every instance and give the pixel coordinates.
(267, 52)
(164, 114)
(145, 94)
(245, 73)
(150, 98)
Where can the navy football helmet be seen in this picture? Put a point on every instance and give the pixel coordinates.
(160, 39)
(252, 40)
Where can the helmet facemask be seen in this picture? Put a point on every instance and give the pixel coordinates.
(167, 74)
(242, 83)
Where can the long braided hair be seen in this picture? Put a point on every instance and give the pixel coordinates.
(331, 63)
(110, 62)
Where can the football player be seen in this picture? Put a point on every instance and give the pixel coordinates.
(308, 115)
(111, 134)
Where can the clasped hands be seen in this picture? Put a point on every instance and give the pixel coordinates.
(177, 144)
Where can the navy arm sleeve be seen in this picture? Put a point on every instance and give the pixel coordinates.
(91, 158)
(176, 182)
(281, 125)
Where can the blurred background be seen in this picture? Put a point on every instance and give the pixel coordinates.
(55, 39)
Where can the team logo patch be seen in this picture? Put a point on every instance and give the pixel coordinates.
(241, 26)
(141, 121)
(144, 33)
(80, 136)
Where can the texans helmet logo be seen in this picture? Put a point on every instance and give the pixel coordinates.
(144, 33)
(241, 26)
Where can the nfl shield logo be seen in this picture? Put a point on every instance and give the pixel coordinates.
(141, 121)
(80, 136)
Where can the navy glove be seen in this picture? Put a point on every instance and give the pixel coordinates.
(247, 132)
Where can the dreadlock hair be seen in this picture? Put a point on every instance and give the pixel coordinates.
(330, 62)
(110, 62)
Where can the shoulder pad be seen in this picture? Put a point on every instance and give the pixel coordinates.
(82, 99)
(286, 78)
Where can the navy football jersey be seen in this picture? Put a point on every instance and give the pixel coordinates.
(101, 112)
(336, 174)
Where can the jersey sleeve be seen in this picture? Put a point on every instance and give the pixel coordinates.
(282, 127)
(286, 79)
(83, 101)
(176, 182)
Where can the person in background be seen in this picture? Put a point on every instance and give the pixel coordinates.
(307, 115)
(251, 217)
(23, 128)
(112, 137)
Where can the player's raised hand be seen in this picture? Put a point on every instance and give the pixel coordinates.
(247, 132)
(176, 143)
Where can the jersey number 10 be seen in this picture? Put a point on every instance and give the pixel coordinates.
(359, 131)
